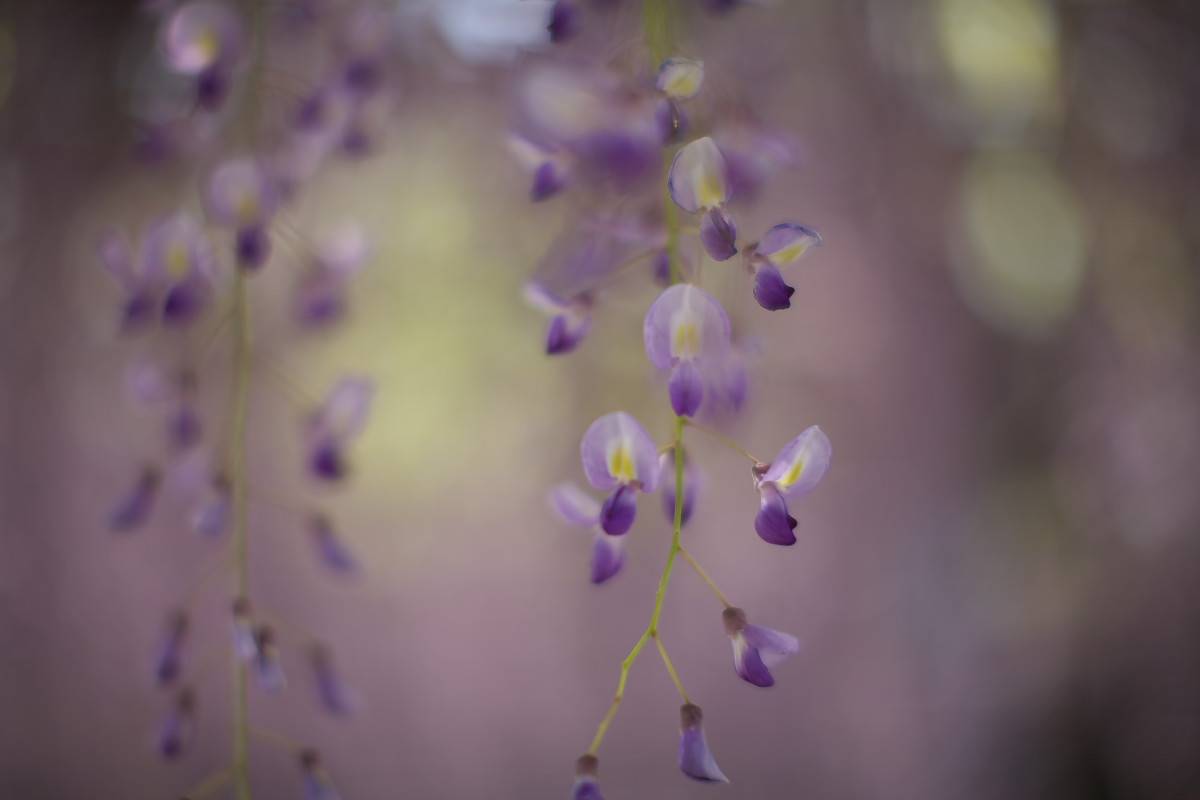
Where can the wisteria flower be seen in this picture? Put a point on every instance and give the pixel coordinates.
(794, 473)
(549, 166)
(143, 297)
(245, 641)
(267, 666)
(178, 731)
(178, 257)
(241, 194)
(336, 424)
(565, 21)
(205, 39)
(578, 508)
(131, 511)
(695, 759)
(331, 549)
(169, 664)
(755, 648)
(619, 456)
(321, 299)
(151, 384)
(570, 319)
(587, 782)
(212, 518)
(781, 245)
(699, 182)
(335, 695)
(679, 80)
(685, 328)
(317, 784)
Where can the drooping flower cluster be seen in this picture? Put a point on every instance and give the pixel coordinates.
(589, 125)
(187, 286)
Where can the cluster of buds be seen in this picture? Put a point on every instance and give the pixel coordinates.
(638, 132)
(187, 285)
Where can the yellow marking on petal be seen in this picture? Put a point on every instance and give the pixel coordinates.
(710, 188)
(208, 44)
(620, 464)
(247, 207)
(685, 340)
(793, 474)
(685, 83)
(791, 253)
(177, 260)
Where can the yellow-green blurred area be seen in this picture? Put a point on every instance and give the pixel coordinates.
(995, 586)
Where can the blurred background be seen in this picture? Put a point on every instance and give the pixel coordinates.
(995, 585)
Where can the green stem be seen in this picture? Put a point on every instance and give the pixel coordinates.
(242, 356)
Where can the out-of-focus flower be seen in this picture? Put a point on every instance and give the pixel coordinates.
(321, 298)
(695, 759)
(686, 330)
(335, 695)
(679, 80)
(549, 166)
(132, 510)
(565, 21)
(178, 258)
(178, 731)
(364, 39)
(245, 643)
(782, 245)
(587, 782)
(578, 508)
(331, 549)
(143, 297)
(755, 648)
(335, 425)
(241, 194)
(317, 784)
(169, 664)
(212, 519)
(794, 473)
(619, 456)
(205, 38)
(699, 182)
(570, 320)
(267, 666)
(690, 479)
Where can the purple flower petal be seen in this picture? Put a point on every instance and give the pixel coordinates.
(565, 21)
(344, 413)
(671, 121)
(619, 159)
(252, 247)
(212, 87)
(685, 323)
(548, 180)
(169, 665)
(327, 462)
(569, 328)
(748, 664)
(608, 556)
(698, 177)
(321, 301)
(186, 301)
(317, 785)
(335, 695)
(695, 759)
(178, 731)
(769, 289)
(184, 427)
(200, 34)
(240, 194)
(176, 251)
(718, 233)
(268, 669)
(331, 548)
(616, 450)
(619, 511)
(245, 642)
(786, 242)
(774, 524)
(133, 509)
(773, 646)
(574, 505)
(801, 463)
(686, 389)
(116, 256)
(587, 786)
(213, 518)
(139, 310)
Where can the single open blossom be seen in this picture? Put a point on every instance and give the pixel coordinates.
(336, 424)
(690, 479)
(755, 648)
(587, 782)
(178, 731)
(685, 330)
(331, 549)
(169, 664)
(317, 784)
(205, 38)
(781, 245)
(212, 519)
(570, 320)
(578, 508)
(549, 166)
(364, 39)
(335, 695)
(267, 667)
(321, 298)
(695, 759)
(143, 298)
(178, 258)
(132, 510)
(619, 456)
(794, 473)
(245, 642)
(699, 182)
(241, 194)
(679, 80)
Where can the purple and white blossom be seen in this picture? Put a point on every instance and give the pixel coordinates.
(317, 784)
(268, 669)
(587, 781)
(168, 666)
(756, 648)
(132, 509)
(211, 520)
(685, 330)
(794, 473)
(245, 641)
(695, 759)
(335, 425)
(579, 508)
(331, 549)
(570, 319)
(177, 733)
(321, 295)
(619, 456)
(782, 245)
(335, 695)
(241, 194)
(205, 39)
(699, 182)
